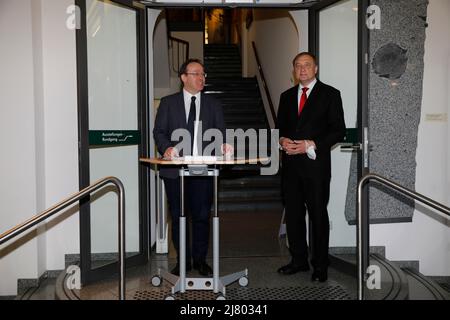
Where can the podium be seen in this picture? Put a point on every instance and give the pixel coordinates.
(199, 167)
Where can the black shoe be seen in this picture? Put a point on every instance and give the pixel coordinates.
(319, 275)
(203, 268)
(176, 270)
(292, 268)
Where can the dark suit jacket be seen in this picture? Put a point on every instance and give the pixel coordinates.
(322, 120)
(172, 115)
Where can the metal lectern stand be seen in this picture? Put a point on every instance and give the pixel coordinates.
(216, 283)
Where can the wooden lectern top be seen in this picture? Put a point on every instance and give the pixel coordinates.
(202, 161)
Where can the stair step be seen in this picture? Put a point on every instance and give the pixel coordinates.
(223, 67)
(223, 75)
(240, 102)
(235, 94)
(250, 107)
(423, 288)
(244, 91)
(231, 110)
(250, 195)
(225, 59)
(230, 72)
(251, 206)
(246, 122)
(245, 118)
(245, 126)
(219, 52)
(251, 181)
(237, 80)
(209, 61)
(263, 199)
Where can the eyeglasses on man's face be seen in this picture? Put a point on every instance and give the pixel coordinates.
(197, 74)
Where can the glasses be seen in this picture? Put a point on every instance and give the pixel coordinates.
(196, 74)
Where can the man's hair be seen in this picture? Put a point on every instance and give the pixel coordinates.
(301, 54)
(183, 68)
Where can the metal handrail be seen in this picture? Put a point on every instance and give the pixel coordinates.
(263, 79)
(180, 44)
(362, 229)
(19, 229)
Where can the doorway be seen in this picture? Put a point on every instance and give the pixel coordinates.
(328, 22)
(115, 51)
(112, 132)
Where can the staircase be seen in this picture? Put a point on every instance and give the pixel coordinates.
(241, 187)
(222, 61)
(400, 280)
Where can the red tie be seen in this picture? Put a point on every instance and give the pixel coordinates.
(303, 100)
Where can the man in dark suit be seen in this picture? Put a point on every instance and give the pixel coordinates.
(311, 121)
(195, 112)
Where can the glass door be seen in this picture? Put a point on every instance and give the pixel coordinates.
(336, 38)
(112, 134)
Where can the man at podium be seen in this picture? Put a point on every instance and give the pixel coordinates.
(195, 112)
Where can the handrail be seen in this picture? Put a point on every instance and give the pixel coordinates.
(179, 43)
(263, 79)
(19, 229)
(362, 231)
(238, 32)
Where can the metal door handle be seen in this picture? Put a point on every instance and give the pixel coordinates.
(351, 147)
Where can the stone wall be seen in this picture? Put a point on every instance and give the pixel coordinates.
(396, 62)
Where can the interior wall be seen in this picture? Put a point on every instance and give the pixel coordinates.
(39, 163)
(61, 129)
(195, 40)
(301, 20)
(38, 74)
(17, 125)
(277, 41)
(161, 54)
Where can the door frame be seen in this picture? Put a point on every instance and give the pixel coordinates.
(313, 46)
(143, 111)
(89, 275)
(362, 94)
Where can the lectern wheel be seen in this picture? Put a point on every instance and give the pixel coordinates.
(243, 282)
(170, 297)
(221, 297)
(156, 281)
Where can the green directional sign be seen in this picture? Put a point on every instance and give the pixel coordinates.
(114, 137)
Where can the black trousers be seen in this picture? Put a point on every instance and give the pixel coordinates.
(312, 194)
(198, 196)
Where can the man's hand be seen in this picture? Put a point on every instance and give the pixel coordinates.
(291, 147)
(227, 150)
(170, 153)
